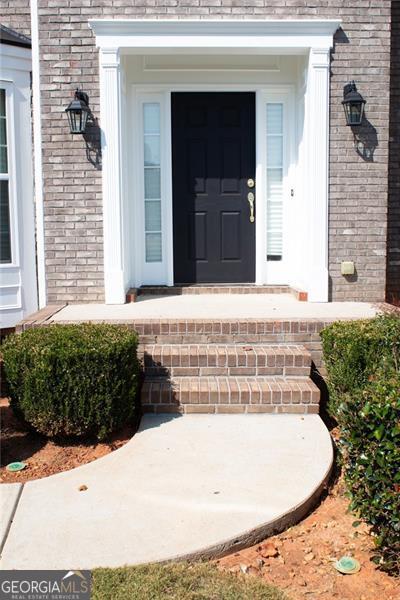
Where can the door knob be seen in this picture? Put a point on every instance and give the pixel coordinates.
(250, 183)
(250, 198)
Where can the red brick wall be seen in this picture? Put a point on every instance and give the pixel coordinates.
(16, 14)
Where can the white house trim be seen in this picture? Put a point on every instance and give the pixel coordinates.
(113, 207)
(249, 35)
(163, 273)
(317, 120)
(18, 289)
(37, 156)
(119, 37)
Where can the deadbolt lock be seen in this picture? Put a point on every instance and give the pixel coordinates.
(250, 183)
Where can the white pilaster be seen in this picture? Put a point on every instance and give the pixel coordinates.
(110, 122)
(316, 188)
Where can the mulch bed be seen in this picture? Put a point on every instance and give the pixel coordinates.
(42, 456)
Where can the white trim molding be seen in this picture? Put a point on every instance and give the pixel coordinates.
(37, 156)
(316, 190)
(250, 35)
(18, 289)
(111, 136)
(312, 38)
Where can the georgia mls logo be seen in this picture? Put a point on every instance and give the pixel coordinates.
(45, 585)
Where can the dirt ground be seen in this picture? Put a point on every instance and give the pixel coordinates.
(300, 560)
(44, 457)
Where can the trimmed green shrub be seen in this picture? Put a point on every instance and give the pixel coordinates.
(73, 380)
(363, 364)
(355, 350)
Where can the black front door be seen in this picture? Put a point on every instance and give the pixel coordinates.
(213, 157)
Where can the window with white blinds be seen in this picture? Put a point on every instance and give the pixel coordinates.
(274, 181)
(5, 220)
(152, 181)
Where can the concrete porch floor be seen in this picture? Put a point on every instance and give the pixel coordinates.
(191, 486)
(217, 306)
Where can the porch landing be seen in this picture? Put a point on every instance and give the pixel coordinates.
(216, 306)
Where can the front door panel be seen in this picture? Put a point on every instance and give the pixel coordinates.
(213, 157)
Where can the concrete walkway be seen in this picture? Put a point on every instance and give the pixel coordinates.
(218, 306)
(183, 486)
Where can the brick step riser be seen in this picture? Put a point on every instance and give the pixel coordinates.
(312, 342)
(280, 395)
(165, 371)
(229, 360)
(274, 339)
(231, 409)
(213, 397)
(197, 290)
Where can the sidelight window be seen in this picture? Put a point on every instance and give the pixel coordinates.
(274, 181)
(152, 181)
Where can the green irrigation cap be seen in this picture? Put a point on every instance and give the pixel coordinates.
(347, 565)
(15, 466)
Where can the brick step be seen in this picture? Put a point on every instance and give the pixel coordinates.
(230, 394)
(193, 360)
(180, 290)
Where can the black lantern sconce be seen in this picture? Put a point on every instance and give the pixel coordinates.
(78, 112)
(353, 104)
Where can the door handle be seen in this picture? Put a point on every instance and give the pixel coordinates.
(250, 198)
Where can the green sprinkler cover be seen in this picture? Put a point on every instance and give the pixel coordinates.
(347, 565)
(15, 466)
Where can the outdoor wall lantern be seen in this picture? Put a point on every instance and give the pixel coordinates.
(78, 112)
(353, 104)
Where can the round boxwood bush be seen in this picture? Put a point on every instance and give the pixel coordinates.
(73, 380)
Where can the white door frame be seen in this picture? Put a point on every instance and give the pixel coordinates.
(115, 37)
(163, 273)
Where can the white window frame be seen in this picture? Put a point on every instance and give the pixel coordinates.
(276, 272)
(10, 176)
(148, 273)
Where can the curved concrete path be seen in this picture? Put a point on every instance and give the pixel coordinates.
(187, 486)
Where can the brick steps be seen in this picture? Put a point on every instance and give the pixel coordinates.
(230, 394)
(180, 290)
(191, 360)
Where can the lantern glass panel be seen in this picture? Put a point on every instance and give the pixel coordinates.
(355, 113)
(84, 118)
(78, 114)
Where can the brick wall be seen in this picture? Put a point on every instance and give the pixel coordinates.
(72, 186)
(393, 265)
(16, 14)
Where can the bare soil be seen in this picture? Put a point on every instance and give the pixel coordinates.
(300, 560)
(44, 457)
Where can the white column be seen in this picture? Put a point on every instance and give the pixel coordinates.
(316, 185)
(110, 122)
